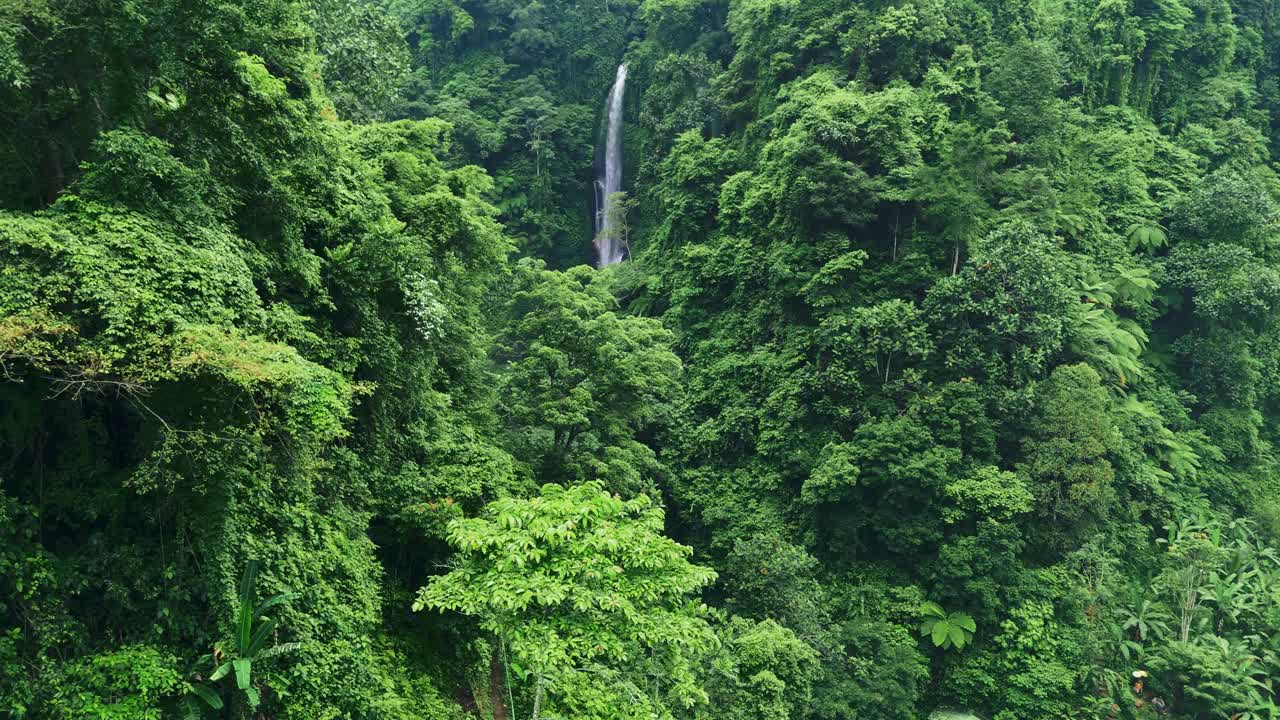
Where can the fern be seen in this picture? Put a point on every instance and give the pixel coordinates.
(1178, 457)
(1111, 343)
(1134, 284)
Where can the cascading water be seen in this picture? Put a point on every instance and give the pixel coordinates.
(609, 247)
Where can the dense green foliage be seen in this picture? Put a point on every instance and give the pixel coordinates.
(589, 598)
(941, 378)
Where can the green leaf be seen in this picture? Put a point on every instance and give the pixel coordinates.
(341, 253)
(1147, 236)
(243, 666)
(207, 694)
(260, 637)
(964, 621)
(247, 583)
(220, 672)
(932, 609)
(940, 631)
(956, 635)
(253, 697)
(280, 649)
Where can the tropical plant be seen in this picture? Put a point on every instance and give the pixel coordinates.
(248, 645)
(1145, 236)
(1113, 344)
(946, 629)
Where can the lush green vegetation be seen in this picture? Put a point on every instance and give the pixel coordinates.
(944, 374)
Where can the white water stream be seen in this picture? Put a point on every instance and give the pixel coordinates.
(609, 247)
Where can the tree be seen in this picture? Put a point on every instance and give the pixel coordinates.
(619, 210)
(880, 335)
(366, 59)
(580, 383)
(1005, 314)
(588, 597)
(1026, 81)
(215, 264)
(881, 489)
(1067, 463)
(762, 672)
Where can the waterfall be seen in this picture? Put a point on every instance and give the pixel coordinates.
(609, 249)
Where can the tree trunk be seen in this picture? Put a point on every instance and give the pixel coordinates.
(537, 699)
(496, 700)
(897, 216)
